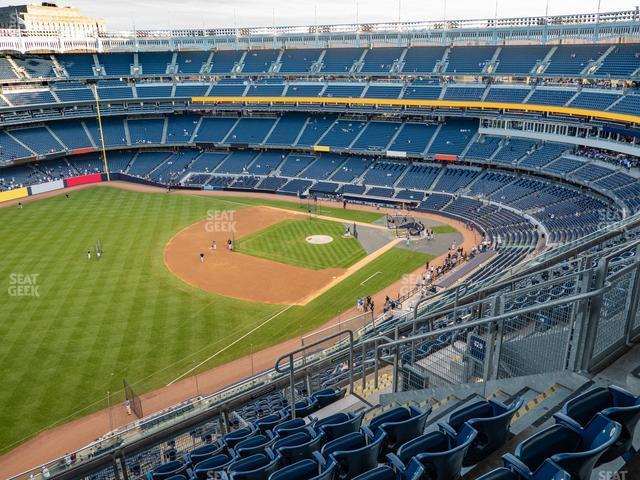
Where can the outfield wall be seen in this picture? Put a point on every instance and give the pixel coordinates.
(46, 187)
(51, 186)
(14, 194)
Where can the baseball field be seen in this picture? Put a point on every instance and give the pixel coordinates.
(74, 327)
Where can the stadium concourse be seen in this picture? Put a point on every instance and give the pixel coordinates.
(514, 356)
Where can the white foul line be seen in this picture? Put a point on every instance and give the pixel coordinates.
(369, 278)
(230, 345)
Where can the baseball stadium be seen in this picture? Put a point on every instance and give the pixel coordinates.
(370, 251)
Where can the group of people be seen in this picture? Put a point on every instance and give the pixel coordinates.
(366, 304)
(619, 159)
(428, 233)
(454, 258)
(214, 247)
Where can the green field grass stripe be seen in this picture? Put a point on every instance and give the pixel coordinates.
(285, 242)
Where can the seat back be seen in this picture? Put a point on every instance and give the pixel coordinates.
(479, 409)
(235, 437)
(379, 473)
(597, 437)
(328, 395)
(584, 407)
(400, 432)
(199, 454)
(253, 445)
(339, 425)
(268, 422)
(255, 467)
(354, 462)
(626, 411)
(169, 469)
(492, 431)
(429, 442)
(445, 464)
(397, 414)
(206, 468)
(303, 449)
(534, 450)
(290, 427)
(304, 470)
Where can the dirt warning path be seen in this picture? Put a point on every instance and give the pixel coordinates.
(73, 435)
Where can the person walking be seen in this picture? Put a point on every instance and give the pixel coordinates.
(202, 258)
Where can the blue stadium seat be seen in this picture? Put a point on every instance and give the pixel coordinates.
(256, 467)
(292, 426)
(549, 473)
(576, 451)
(204, 452)
(305, 470)
(400, 425)
(304, 407)
(614, 403)
(252, 445)
(339, 424)
(381, 473)
(268, 422)
(353, 453)
(328, 395)
(441, 456)
(235, 437)
(490, 418)
(298, 446)
(206, 469)
(168, 470)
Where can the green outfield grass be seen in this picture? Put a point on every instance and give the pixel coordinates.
(443, 229)
(285, 242)
(94, 323)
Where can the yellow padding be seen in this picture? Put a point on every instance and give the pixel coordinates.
(13, 194)
(426, 104)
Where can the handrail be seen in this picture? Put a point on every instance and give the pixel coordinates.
(504, 316)
(291, 355)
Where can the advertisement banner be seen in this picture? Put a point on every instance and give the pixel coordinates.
(13, 194)
(83, 179)
(47, 187)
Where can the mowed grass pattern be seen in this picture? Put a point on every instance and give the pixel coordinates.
(286, 242)
(126, 316)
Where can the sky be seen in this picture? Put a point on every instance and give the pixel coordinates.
(162, 14)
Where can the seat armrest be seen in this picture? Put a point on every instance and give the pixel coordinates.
(368, 432)
(566, 420)
(319, 458)
(395, 462)
(514, 463)
(448, 429)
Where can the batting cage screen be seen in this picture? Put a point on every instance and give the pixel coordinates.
(133, 398)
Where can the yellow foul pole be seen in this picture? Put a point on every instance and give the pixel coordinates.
(104, 150)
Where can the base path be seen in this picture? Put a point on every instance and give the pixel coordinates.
(74, 435)
(237, 275)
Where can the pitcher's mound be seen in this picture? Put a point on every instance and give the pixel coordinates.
(319, 239)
